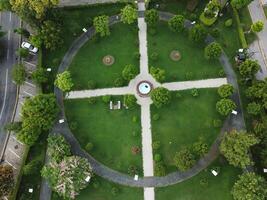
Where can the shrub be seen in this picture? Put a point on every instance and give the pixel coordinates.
(228, 22)
(157, 73)
(129, 72)
(194, 92)
(19, 74)
(254, 108)
(34, 166)
(89, 147)
(207, 21)
(101, 25)
(200, 147)
(241, 34)
(91, 84)
(225, 106)
(154, 56)
(213, 50)
(22, 52)
(176, 23)
(160, 96)
(106, 98)
(156, 145)
(130, 101)
(128, 14)
(249, 68)
(157, 157)
(160, 169)
(119, 82)
(64, 81)
(132, 170)
(225, 90)
(151, 17)
(92, 100)
(198, 33)
(184, 159)
(156, 117)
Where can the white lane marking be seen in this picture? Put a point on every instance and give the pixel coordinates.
(10, 16)
(9, 34)
(10, 164)
(4, 102)
(17, 140)
(30, 84)
(28, 93)
(14, 153)
(7, 54)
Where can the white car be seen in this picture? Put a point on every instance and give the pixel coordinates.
(31, 48)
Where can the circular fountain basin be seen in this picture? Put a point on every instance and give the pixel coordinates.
(144, 88)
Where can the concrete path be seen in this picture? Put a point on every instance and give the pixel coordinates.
(257, 14)
(69, 3)
(98, 92)
(185, 85)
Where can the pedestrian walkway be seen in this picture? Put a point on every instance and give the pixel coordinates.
(69, 3)
(259, 47)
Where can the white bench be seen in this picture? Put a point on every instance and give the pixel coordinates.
(214, 172)
(136, 177)
(84, 30)
(234, 112)
(61, 121)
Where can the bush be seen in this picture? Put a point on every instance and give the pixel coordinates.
(119, 82)
(92, 100)
(176, 23)
(106, 98)
(200, 147)
(158, 73)
(225, 106)
(132, 170)
(160, 169)
(156, 117)
(154, 56)
(228, 23)
(213, 51)
(225, 90)
(217, 123)
(19, 74)
(89, 147)
(241, 34)
(32, 167)
(207, 21)
(184, 159)
(137, 55)
(101, 25)
(194, 92)
(91, 84)
(128, 14)
(114, 191)
(151, 17)
(129, 72)
(157, 157)
(152, 31)
(156, 145)
(22, 52)
(129, 101)
(160, 96)
(254, 108)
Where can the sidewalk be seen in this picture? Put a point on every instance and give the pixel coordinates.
(260, 47)
(66, 3)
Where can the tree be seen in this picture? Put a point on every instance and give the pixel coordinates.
(101, 25)
(129, 72)
(250, 186)
(184, 159)
(253, 108)
(129, 101)
(38, 114)
(22, 31)
(198, 33)
(64, 81)
(240, 3)
(257, 26)
(37, 8)
(176, 23)
(71, 168)
(6, 179)
(249, 68)
(4, 5)
(40, 75)
(160, 96)
(32, 167)
(57, 148)
(235, 147)
(151, 17)
(213, 51)
(19, 74)
(128, 14)
(257, 90)
(225, 106)
(157, 73)
(200, 147)
(50, 35)
(22, 52)
(225, 90)
(36, 40)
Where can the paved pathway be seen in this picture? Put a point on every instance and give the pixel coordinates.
(260, 46)
(68, 3)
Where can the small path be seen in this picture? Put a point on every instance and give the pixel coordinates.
(207, 83)
(68, 3)
(98, 92)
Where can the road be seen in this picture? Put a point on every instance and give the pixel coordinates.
(9, 44)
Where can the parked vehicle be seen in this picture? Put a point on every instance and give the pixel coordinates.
(30, 47)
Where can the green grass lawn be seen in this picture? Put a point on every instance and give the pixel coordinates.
(192, 65)
(88, 65)
(74, 20)
(183, 121)
(265, 11)
(111, 131)
(100, 189)
(218, 188)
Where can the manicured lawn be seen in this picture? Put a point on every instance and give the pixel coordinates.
(192, 65)
(111, 132)
(73, 21)
(183, 121)
(104, 191)
(88, 65)
(218, 188)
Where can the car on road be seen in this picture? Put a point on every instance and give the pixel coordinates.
(30, 47)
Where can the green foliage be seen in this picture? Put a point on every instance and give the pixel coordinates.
(14, 126)
(130, 101)
(160, 96)
(213, 51)
(128, 14)
(257, 26)
(5, 5)
(151, 17)
(40, 75)
(156, 117)
(240, 3)
(228, 23)
(36, 40)
(19, 74)
(207, 21)
(129, 72)
(197, 34)
(257, 90)
(91, 84)
(160, 169)
(176, 23)
(235, 146)
(253, 108)
(225, 90)
(156, 145)
(157, 157)
(184, 159)
(225, 106)
(70, 168)
(154, 56)
(249, 68)
(194, 92)
(106, 98)
(33, 167)
(158, 73)
(200, 147)
(101, 25)
(22, 31)
(240, 30)
(6, 179)
(57, 148)
(250, 186)
(89, 147)
(118, 82)
(64, 82)
(132, 170)
(22, 52)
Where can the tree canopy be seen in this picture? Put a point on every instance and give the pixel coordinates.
(6, 179)
(64, 81)
(213, 50)
(160, 96)
(225, 106)
(128, 14)
(151, 17)
(176, 23)
(235, 146)
(257, 26)
(184, 159)
(130, 101)
(240, 3)
(197, 33)
(249, 68)
(158, 73)
(101, 25)
(225, 90)
(129, 72)
(19, 74)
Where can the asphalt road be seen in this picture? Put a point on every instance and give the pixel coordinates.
(8, 44)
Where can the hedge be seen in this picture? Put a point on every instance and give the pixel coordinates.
(207, 21)
(240, 30)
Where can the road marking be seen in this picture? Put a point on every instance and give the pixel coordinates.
(10, 164)
(4, 102)
(29, 63)
(28, 93)
(14, 153)
(30, 84)
(10, 16)
(9, 34)
(0, 17)
(7, 55)
(17, 140)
